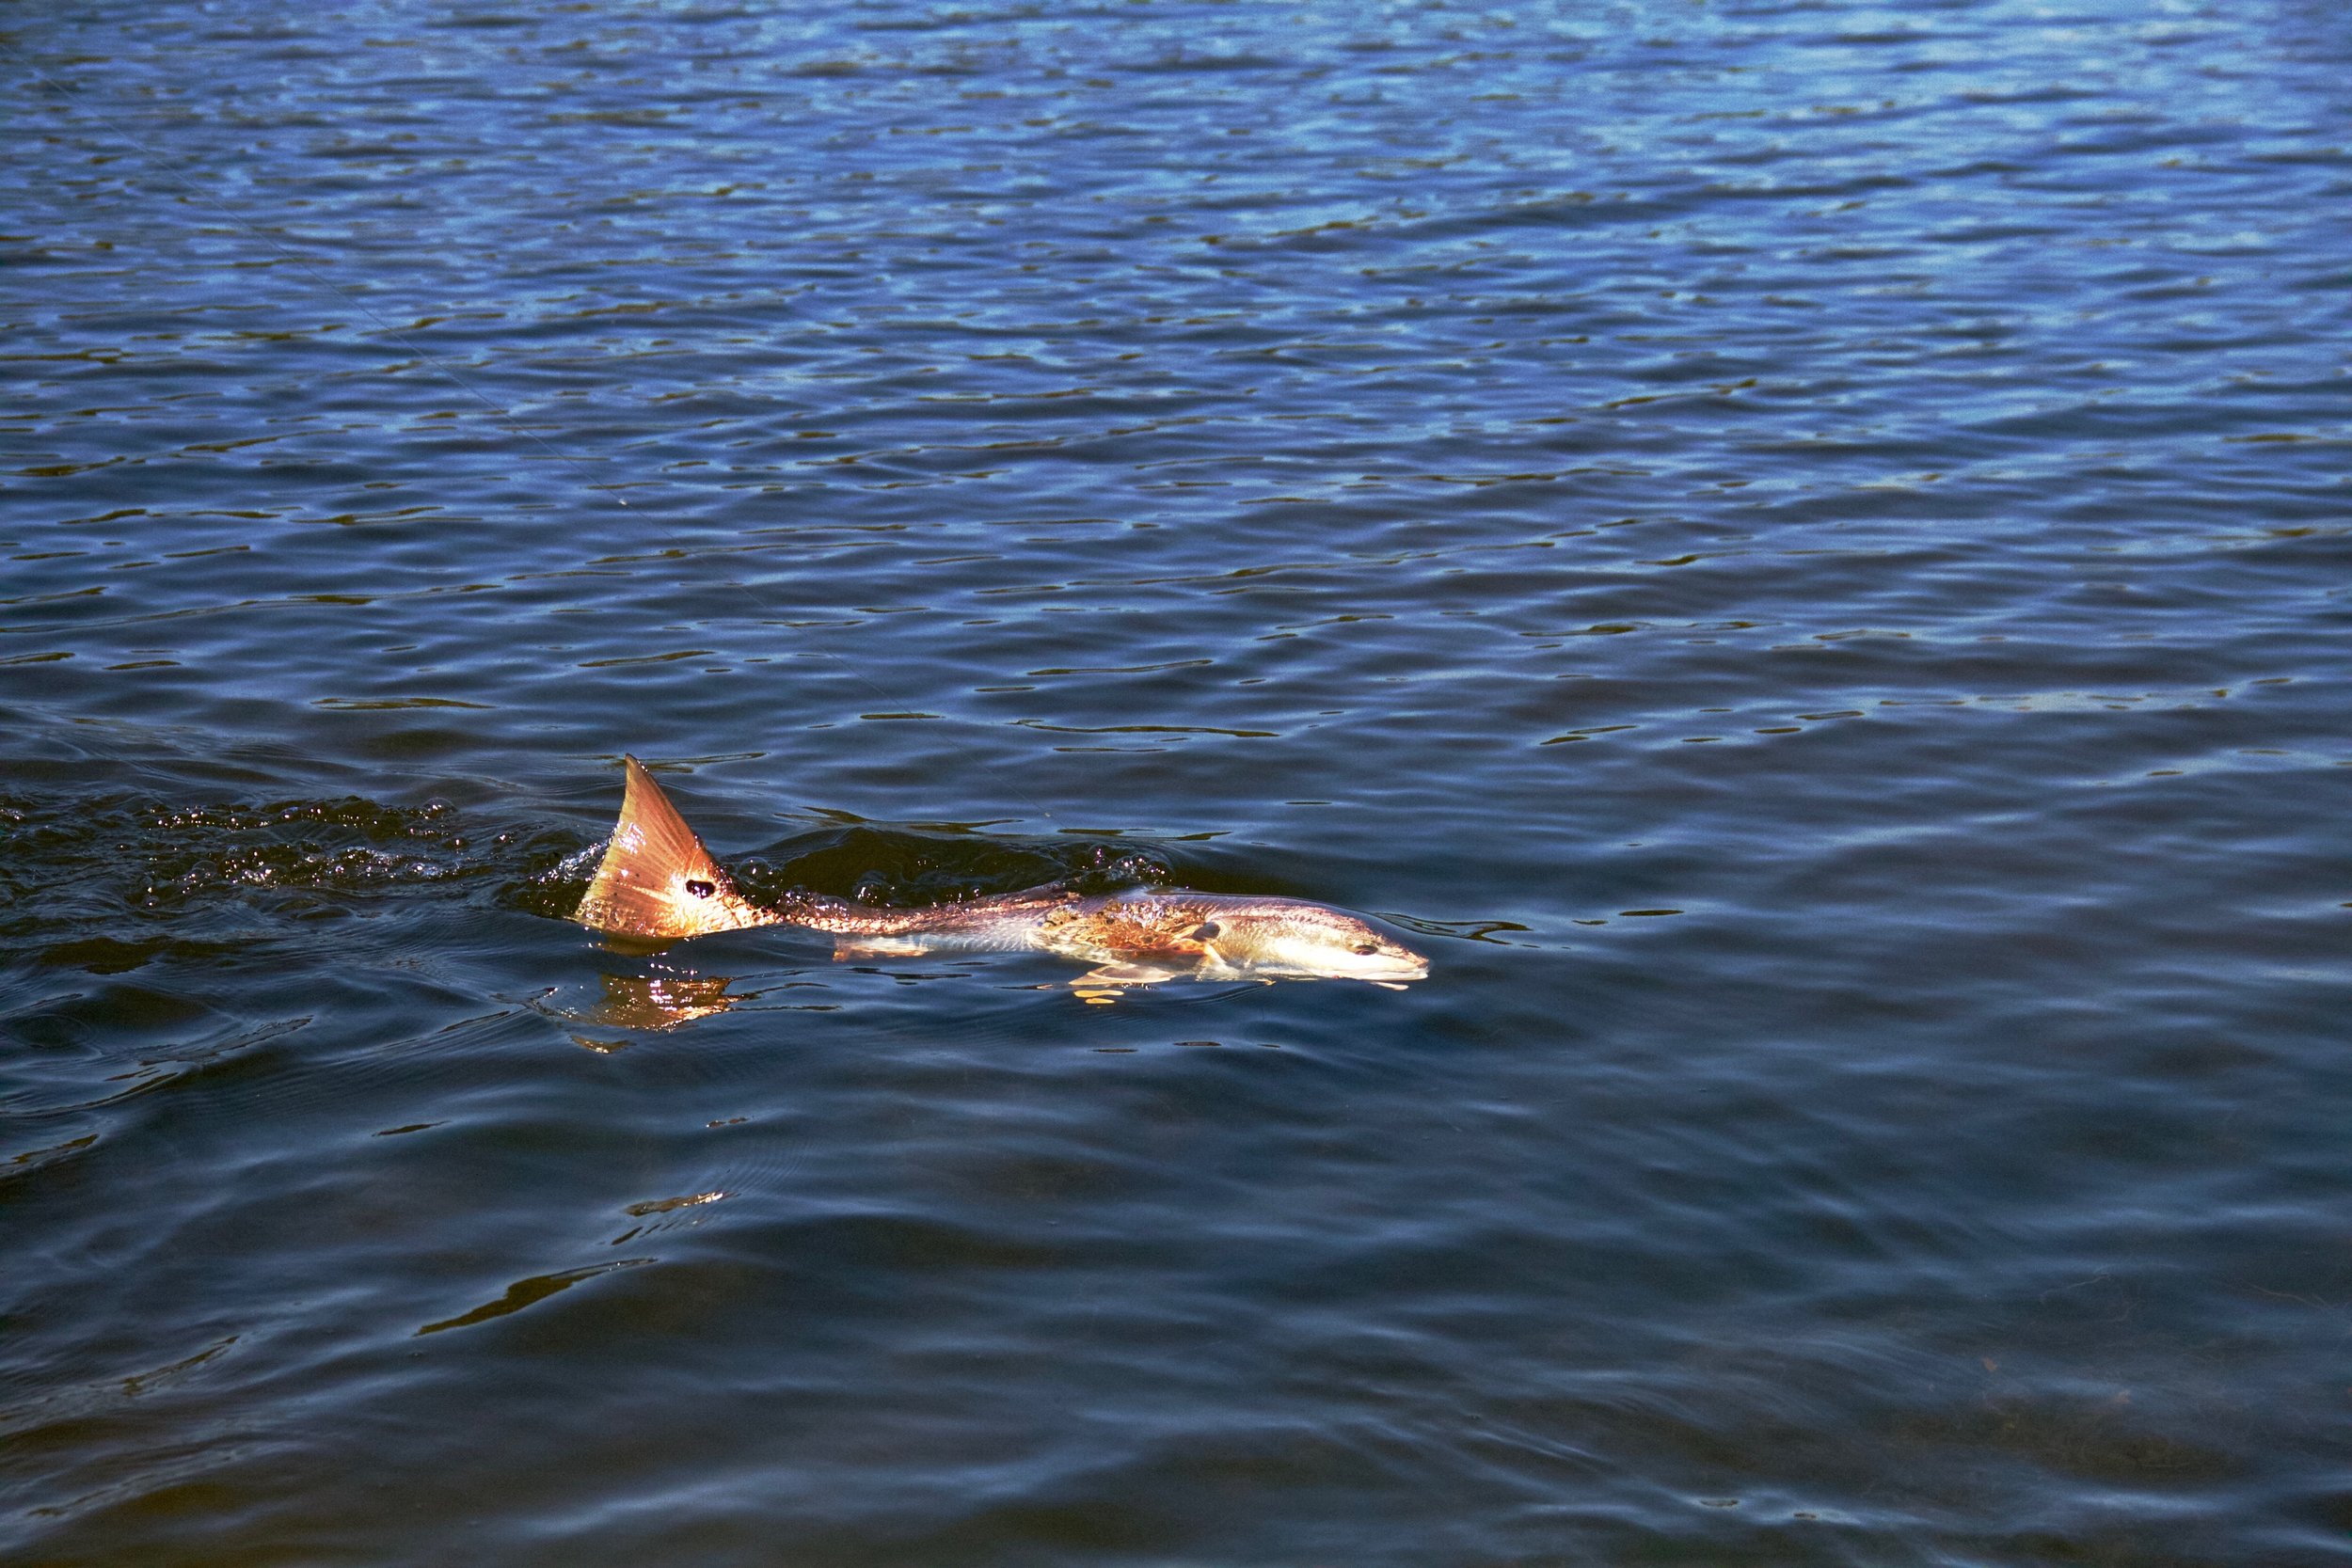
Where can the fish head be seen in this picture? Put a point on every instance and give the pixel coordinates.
(1301, 941)
(656, 882)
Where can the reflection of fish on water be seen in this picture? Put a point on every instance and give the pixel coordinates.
(650, 1002)
(657, 883)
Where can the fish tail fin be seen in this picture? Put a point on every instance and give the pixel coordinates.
(657, 882)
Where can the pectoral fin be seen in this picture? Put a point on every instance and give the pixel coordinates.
(1105, 982)
(877, 947)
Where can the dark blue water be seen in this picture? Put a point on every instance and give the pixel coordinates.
(1799, 550)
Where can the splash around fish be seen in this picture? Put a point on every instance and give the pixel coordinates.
(657, 883)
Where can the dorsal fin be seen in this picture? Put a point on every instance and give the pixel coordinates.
(656, 880)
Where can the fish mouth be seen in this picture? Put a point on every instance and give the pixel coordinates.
(1395, 977)
(1386, 969)
(1380, 971)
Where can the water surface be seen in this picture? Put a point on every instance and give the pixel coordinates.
(1799, 550)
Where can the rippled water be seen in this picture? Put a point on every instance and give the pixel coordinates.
(1798, 549)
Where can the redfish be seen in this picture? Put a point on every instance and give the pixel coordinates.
(657, 882)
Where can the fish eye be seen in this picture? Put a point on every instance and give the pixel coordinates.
(701, 889)
(1365, 949)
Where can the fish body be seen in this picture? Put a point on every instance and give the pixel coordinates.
(657, 882)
